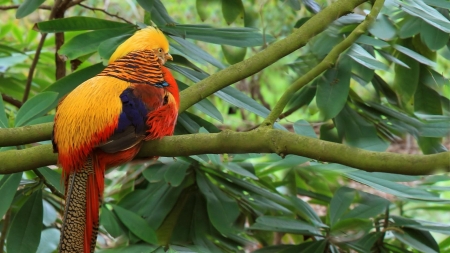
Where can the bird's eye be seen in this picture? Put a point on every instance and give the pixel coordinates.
(160, 50)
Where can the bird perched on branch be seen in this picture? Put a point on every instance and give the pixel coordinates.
(103, 122)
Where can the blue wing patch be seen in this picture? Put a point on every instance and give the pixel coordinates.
(134, 113)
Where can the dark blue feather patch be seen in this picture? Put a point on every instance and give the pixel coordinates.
(134, 113)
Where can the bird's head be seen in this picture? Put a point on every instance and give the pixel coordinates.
(149, 38)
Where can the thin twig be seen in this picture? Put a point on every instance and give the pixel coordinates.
(36, 56)
(50, 186)
(12, 7)
(12, 100)
(104, 11)
(33, 67)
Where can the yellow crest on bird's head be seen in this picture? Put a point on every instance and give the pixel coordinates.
(149, 38)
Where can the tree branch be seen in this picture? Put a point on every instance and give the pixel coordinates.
(12, 100)
(262, 140)
(104, 11)
(12, 7)
(33, 67)
(326, 63)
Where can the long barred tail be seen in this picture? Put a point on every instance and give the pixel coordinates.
(80, 221)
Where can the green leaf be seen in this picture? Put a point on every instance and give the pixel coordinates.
(175, 173)
(222, 210)
(52, 177)
(25, 232)
(193, 51)
(410, 27)
(88, 42)
(294, 4)
(284, 224)
(438, 3)
(234, 55)
(27, 7)
(351, 227)
(383, 28)
(236, 168)
(110, 221)
(79, 24)
(365, 244)
(49, 240)
(66, 84)
(357, 132)
(137, 225)
(432, 37)
(202, 11)
(364, 39)
(369, 207)
(418, 239)
(333, 88)
(238, 37)
(420, 58)
(421, 225)
(361, 56)
(302, 127)
(3, 118)
(391, 187)
(40, 120)
(306, 211)
(340, 203)
(8, 188)
(134, 248)
(107, 47)
(232, 9)
(35, 107)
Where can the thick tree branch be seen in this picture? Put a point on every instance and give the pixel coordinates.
(258, 141)
(326, 63)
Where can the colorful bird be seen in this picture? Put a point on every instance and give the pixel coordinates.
(103, 122)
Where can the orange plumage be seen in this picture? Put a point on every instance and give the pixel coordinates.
(102, 124)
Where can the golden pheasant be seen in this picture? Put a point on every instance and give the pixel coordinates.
(103, 122)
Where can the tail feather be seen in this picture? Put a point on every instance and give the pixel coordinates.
(81, 217)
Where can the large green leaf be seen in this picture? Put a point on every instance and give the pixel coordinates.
(79, 24)
(222, 210)
(232, 10)
(284, 224)
(361, 56)
(416, 56)
(302, 127)
(136, 224)
(36, 106)
(25, 232)
(27, 7)
(8, 188)
(357, 131)
(421, 225)
(418, 239)
(110, 221)
(340, 203)
(432, 37)
(333, 88)
(89, 42)
(66, 84)
(176, 172)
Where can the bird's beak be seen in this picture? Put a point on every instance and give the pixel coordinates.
(169, 57)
